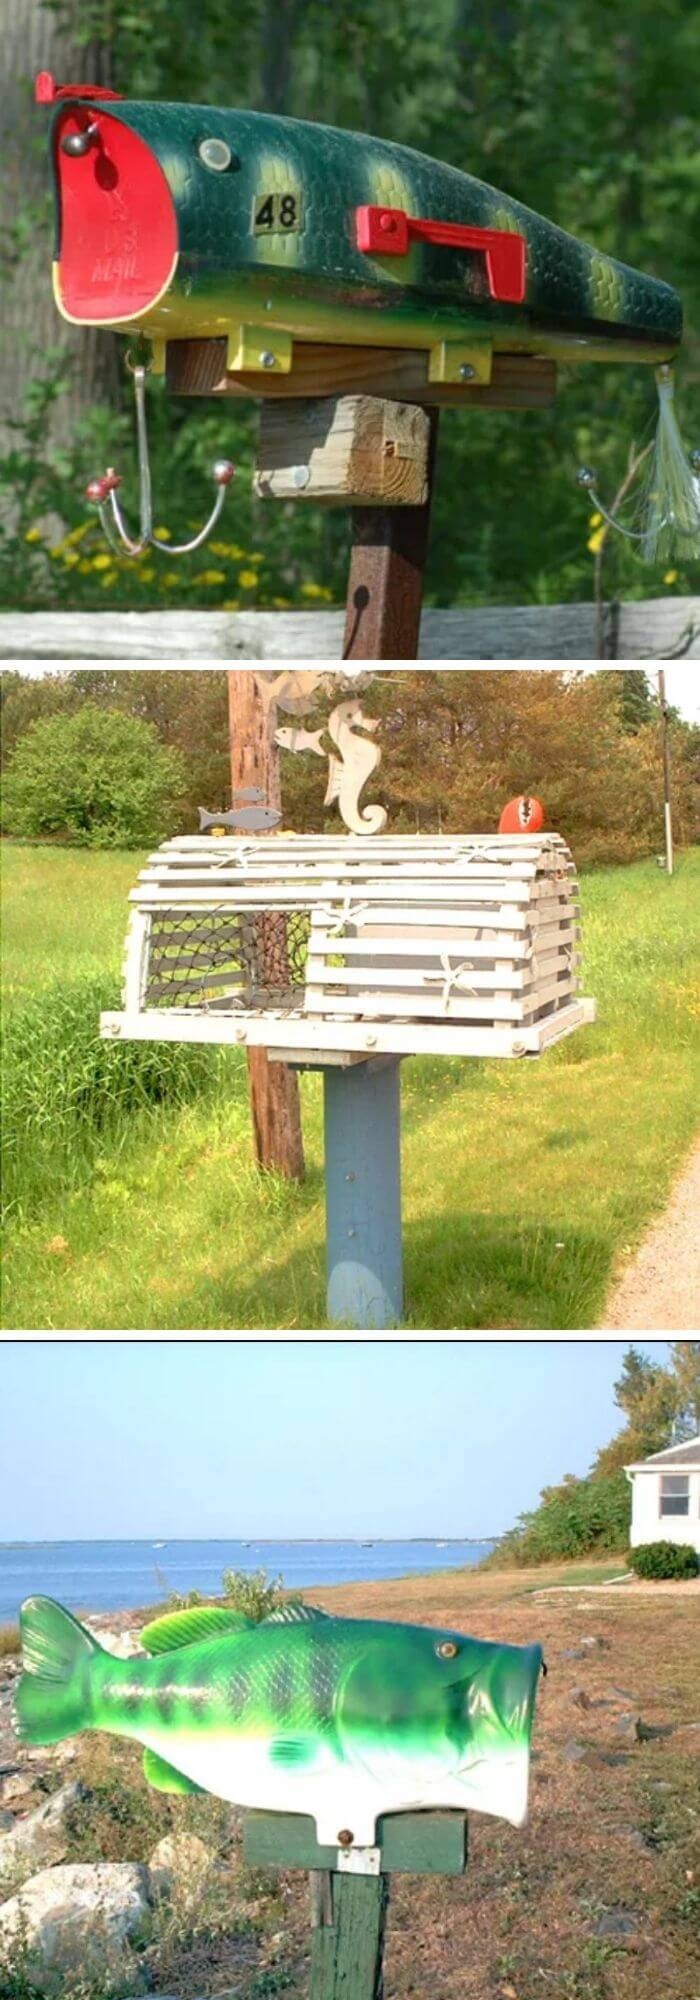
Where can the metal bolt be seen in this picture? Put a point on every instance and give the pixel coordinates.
(267, 358)
(466, 372)
(586, 477)
(350, 1177)
(370, 1041)
(345, 1837)
(352, 1232)
(300, 476)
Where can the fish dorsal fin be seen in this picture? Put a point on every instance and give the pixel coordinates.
(296, 1614)
(184, 1628)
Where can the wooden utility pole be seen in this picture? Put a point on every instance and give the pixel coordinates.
(668, 824)
(274, 1089)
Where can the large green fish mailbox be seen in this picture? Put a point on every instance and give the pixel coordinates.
(184, 220)
(341, 1719)
(181, 222)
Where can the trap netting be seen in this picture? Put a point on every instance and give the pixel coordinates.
(227, 958)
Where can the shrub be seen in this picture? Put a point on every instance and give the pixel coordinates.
(92, 776)
(664, 1560)
(579, 1517)
(68, 1098)
(254, 1593)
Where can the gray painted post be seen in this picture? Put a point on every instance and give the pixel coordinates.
(363, 1194)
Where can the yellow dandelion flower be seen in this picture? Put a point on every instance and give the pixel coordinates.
(595, 520)
(103, 562)
(595, 541)
(281, 603)
(76, 534)
(671, 576)
(33, 535)
(230, 604)
(70, 559)
(211, 576)
(318, 590)
(85, 568)
(108, 579)
(162, 534)
(147, 575)
(171, 577)
(248, 579)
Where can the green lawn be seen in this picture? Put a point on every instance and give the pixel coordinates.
(523, 1183)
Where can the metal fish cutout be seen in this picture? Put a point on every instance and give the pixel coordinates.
(240, 819)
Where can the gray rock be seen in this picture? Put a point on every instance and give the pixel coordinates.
(76, 1919)
(573, 1753)
(180, 1862)
(594, 1644)
(7, 1820)
(572, 1653)
(40, 1838)
(617, 1923)
(579, 1697)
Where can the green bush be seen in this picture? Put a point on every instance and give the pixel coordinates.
(664, 1560)
(68, 1099)
(254, 1593)
(579, 1517)
(95, 777)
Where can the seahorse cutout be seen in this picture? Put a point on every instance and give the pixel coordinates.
(349, 773)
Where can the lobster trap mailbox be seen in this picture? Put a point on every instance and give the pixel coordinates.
(347, 954)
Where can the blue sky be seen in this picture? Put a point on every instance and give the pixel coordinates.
(291, 1438)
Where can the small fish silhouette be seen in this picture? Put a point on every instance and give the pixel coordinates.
(301, 739)
(290, 691)
(241, 819)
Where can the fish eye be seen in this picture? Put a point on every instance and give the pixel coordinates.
(215, 154)
(447, 1650)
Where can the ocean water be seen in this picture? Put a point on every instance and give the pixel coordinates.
(121, 1576)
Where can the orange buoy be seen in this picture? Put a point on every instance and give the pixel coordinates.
(522, 815)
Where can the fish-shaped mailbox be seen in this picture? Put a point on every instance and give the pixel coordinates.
(341, 1719)
(185, 220)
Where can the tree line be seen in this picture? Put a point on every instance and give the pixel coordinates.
(126, 756)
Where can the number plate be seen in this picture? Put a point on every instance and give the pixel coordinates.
(277, 214)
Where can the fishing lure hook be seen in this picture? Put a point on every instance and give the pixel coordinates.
(669, 514)
(103, 493)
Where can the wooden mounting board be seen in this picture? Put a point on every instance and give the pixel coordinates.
(411, 1843)
(518, 381)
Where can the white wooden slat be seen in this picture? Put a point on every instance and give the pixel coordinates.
(368, 1004)
(269, 1030)
(519, 978)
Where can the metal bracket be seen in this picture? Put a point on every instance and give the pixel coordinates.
(359, 1860)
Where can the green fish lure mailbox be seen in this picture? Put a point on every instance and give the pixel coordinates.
(341, 1720)
(253, 252)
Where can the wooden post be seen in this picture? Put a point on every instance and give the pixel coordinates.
(274, 1089)
(350, 1886)
(387, 570)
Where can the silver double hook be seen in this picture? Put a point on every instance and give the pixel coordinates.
(103, 492)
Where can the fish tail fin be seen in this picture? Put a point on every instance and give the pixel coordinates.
(52, 1698)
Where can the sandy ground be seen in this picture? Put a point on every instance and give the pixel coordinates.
(660, 1291)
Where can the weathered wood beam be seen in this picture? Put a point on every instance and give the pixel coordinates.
(653, 629)
(518, 381)
(344, 451)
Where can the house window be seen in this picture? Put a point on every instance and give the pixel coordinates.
(674, 1497)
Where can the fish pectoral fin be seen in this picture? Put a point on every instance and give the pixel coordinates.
(291, 1751)
(185, 1628)
(163, 1777)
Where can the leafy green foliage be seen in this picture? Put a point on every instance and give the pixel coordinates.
(592, 1515)
(96, 777)
(254, 1593)
(664, 1560)
(69, 1100)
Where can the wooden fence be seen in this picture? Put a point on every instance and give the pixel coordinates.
(655, 628)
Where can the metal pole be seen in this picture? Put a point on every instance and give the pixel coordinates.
(363, 1194)
(668, 825)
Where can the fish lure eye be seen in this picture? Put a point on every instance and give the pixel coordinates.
(447, 1650)
(215, 154)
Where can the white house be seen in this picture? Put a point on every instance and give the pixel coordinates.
(666, 1496)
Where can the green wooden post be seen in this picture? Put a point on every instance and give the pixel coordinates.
(350, 1886)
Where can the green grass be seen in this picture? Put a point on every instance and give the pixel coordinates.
(523, 1183)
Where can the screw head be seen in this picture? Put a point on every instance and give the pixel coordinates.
(466, 372)
(345, 1837)
(586, 477)
(223, 471)
(300, 477)
(267, 358)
